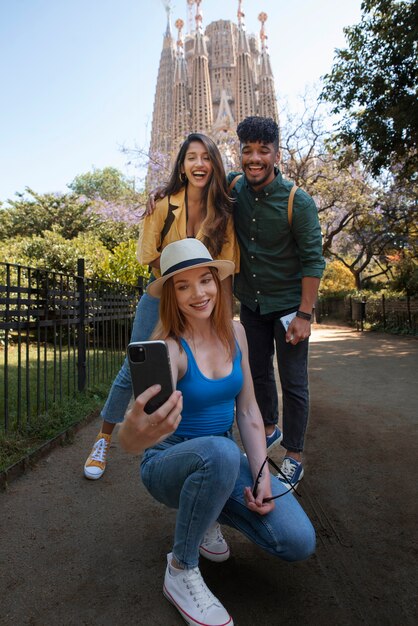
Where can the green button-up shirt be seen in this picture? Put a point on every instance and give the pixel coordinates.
(274, 255)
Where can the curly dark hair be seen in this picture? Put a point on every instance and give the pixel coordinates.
(256, 128)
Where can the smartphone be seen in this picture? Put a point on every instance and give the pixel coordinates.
(286, 319)
(149, 362)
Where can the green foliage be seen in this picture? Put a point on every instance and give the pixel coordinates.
(52, 251)
(54, 230)
(373, 84)
(362, 220)
(122, 265)
(18, 444)
(106, 184)
(34, 213)
(405, 280)
(337, 279)
(115, 202)
(111, 233)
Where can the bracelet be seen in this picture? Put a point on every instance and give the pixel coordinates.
(304, 316)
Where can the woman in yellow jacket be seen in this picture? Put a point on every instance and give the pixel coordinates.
(196, 204)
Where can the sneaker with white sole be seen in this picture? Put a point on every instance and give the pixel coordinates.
(273, 439)
(187, 591)
(214, 546)
(292, 471)
(96, 463)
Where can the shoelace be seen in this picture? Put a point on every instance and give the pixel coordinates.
(213, 535)
(203, 597)
(99, 450)
(288, 469)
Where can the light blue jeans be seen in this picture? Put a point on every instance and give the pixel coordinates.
(204, 479)
(146, 317)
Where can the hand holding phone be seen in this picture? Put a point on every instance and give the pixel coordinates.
(149, 363)
(140, 430)
(286, 319)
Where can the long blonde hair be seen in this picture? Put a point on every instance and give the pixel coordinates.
(173, 323)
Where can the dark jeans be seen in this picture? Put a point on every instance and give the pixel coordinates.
(263, 331)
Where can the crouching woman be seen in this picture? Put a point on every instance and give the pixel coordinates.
(191, 462)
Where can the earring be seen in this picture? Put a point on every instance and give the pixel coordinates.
(182, 177)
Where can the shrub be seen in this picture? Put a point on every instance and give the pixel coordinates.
(337, 279)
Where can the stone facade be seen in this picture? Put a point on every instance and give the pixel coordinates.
(207, 82)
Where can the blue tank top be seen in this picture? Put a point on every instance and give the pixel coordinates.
(208, 403)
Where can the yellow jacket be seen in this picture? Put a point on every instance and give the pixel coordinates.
(150, 245)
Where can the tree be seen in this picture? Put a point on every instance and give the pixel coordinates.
(373, 84)
(337, 279)
(66, 214)
(115, 201)
(363, 220)
(405, 271)
(56, 253)
(106, 184)
(122, 265)
(378, 230)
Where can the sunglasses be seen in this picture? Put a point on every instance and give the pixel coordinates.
(279, 471)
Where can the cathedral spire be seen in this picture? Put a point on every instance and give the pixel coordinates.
(190, 21)
(245, 100)
(210, 77)
(267, 96)
(240, 13)
(167, 6)
(161, 139)
(201, 100)
(181, 107)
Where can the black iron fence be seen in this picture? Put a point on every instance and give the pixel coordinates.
(387, 313)
(59, 334)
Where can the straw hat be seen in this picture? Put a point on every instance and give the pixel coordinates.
(183, 255)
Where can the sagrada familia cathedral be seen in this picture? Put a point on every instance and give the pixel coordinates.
(208, 80)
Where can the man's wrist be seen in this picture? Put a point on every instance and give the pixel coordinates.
(304, 316)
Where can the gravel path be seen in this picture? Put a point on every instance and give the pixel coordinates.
(78, 552)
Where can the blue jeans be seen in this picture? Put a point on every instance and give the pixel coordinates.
(263, 331)
(204, 479)
(146, 317)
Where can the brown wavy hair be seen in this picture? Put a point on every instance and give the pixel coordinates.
(215, 193)
(173, 323)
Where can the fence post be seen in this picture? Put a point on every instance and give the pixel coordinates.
(81, 335)
(384, 311)
(408, 307)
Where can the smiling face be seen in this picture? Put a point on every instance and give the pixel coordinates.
(257, 161)
(197, 165)
(195, 292)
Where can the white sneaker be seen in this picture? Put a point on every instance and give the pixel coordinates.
(214, 546)
(197, 605)
(96, 463)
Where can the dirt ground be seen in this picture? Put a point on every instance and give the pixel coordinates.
(76, 552)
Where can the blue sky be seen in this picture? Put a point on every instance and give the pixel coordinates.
(77, 77)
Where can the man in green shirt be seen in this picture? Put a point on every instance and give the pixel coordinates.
(280, 270)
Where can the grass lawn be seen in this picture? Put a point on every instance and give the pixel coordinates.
(39, 397)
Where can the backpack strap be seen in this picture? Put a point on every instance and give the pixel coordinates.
(290, 204)
(234, 181)
(168, 220)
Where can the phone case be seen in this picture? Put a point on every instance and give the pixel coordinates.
(149, 362)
